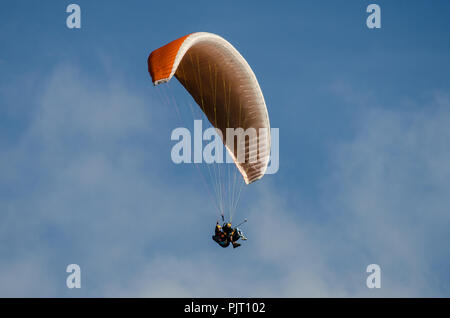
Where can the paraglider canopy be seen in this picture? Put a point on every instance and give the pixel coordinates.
(224, 86)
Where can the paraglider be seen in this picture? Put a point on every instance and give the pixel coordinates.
(226, 90)
(226, 234)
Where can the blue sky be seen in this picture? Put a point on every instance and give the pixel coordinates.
(86, 175)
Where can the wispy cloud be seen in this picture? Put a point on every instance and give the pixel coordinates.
(90, 182)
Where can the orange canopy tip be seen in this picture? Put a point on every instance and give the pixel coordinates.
(160, 61)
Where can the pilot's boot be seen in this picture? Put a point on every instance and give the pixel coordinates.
(236, 244)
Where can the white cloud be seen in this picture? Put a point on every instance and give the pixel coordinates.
(88, 185)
